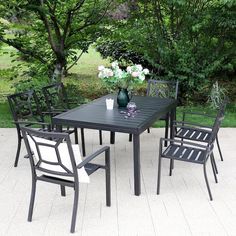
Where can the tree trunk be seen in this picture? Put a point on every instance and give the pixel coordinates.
(59, 67)
(58, 73)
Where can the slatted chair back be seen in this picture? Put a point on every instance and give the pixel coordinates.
(52, 154)
(162, 88)
(56, 97)
(25, 106)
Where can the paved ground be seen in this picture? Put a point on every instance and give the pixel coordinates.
(182, 208)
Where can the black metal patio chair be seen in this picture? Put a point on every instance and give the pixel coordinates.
(57, 102)
(53, 159)
(195, 131)
(26, 111)
(191, 152)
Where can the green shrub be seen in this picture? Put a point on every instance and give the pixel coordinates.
(84, 88)
(217, 95)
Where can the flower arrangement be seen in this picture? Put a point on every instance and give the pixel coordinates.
(116, 77)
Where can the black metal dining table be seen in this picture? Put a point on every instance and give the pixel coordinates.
(94, 115)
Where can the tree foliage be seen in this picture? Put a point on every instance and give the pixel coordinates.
(50, 33)
(191, 41)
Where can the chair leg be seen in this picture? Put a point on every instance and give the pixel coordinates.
(32, 198)
(148, 130)
(166, 130)
(108, 178)
(83, 142)
(76, 135)
(171, 166)
(130, 137)
(63, 191)
(213, 169)
(100, 137)
(218, 145)
(207, 183)
(112, 137)
(18, 150)
(159, 175)
(214, 162)
(75, 208)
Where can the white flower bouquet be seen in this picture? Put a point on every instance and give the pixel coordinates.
(116, 77)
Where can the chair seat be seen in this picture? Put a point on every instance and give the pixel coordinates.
(193, 134)
(90, 168)
(184, 153)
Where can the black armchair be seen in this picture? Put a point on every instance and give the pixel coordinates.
(195, 131)
(26, 112)
(182, 150)
(53, 159)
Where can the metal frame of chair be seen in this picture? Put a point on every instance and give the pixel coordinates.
(195, 131)
(25, 111)
(57, 102)
(191, 152)
(43, 165)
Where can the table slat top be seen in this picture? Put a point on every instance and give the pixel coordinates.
(95, 115)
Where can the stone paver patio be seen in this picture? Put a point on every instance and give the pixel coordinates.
(182, 208)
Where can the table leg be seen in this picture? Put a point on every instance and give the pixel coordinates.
(112, 137)
(172, 118)
(58, 128)
(83, 142)
(136, 156)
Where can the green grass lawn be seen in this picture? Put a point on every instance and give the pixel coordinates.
(5, 57)
(88, 64)
(5, 116)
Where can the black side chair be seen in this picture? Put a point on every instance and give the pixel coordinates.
(191, 152)
(53, 159)
(163, 89)
(25, 111)
(57, 102)
(198, 132)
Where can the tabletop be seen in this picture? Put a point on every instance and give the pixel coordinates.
(94, 115)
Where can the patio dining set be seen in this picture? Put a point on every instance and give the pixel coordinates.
(46, 123)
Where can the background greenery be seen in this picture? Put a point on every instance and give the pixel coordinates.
(84, 84)
(192, 41)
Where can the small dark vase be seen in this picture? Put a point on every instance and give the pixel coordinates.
(123, 97)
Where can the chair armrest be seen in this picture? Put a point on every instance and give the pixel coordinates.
(162, 140)
(105, 149)
(183, 123)
(29, 123)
